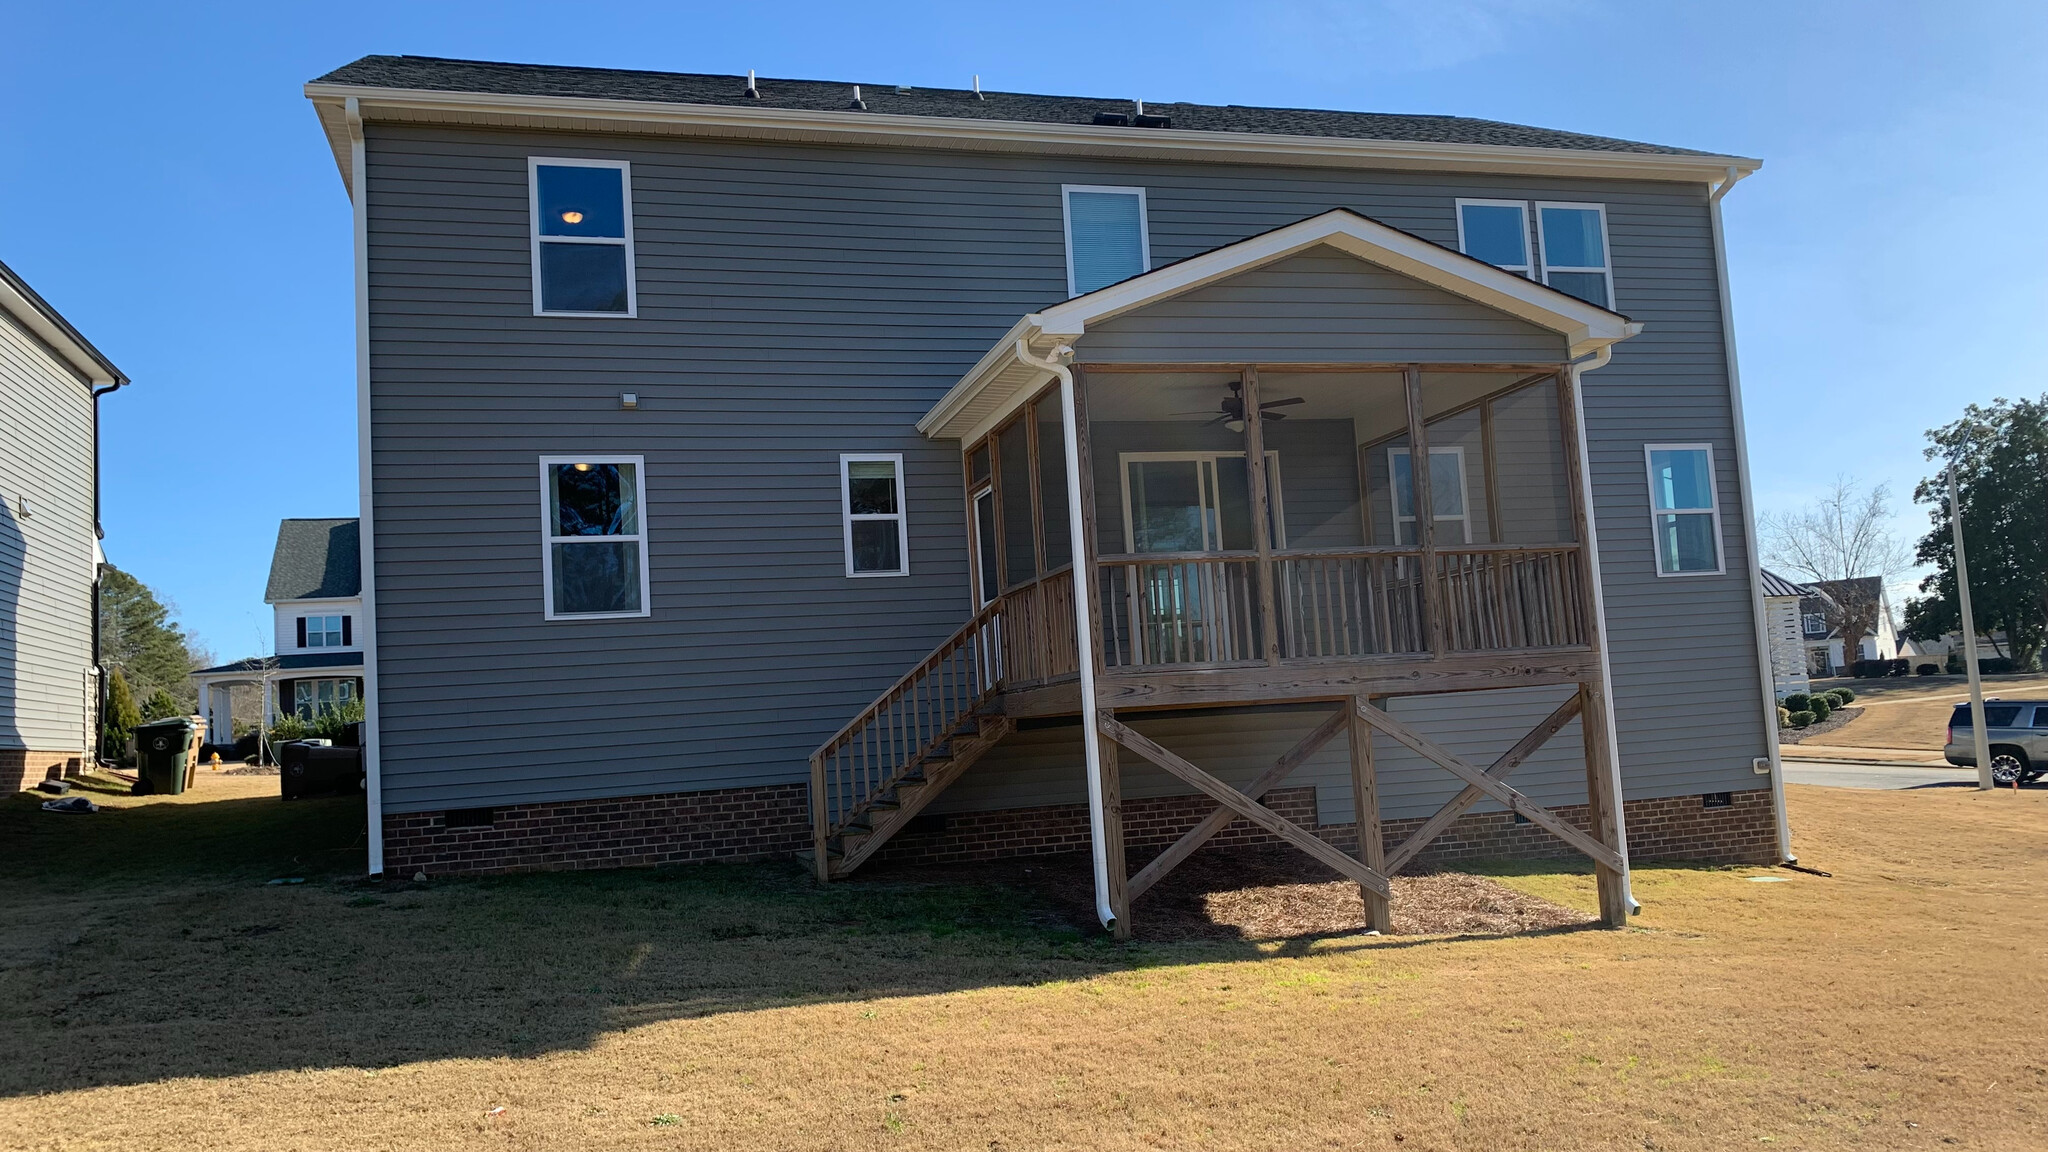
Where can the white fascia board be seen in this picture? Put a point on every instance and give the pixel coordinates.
(992, 389)
(24, 312)
(1586, 327)
(587, 113)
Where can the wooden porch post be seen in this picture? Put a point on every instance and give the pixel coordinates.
(1425, 511)
(1603, 768)
(1365, 803)
(1113, 835)
(1262, 514)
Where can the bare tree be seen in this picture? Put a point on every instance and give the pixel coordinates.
(1844, 542)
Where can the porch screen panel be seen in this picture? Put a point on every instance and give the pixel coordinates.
(1529, 468)
(1013, 488)
(1052, 483)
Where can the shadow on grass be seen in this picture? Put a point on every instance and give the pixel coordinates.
(146, 943)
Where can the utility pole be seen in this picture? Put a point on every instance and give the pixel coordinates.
(1980, 739)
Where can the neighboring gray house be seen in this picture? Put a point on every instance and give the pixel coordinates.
(730, 452)
(51, 379)
(315, 592)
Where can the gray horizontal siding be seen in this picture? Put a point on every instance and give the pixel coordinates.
(798, 302)
(46, 564)
(1320, 305)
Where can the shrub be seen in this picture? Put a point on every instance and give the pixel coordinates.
(332, 723)
(1784, 717)
(1997, 665)
(1821, 708)
(1955, 664)
(1927, 670)
(120, 718)
(1841, 696)
(288, 728)
(1796, 702)
(1801, 719)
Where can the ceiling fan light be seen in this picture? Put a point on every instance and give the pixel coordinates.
(1234, 425)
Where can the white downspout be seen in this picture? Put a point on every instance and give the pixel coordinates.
(373, 775)
(1579, 367)
(1756, 593)
(1084, 639)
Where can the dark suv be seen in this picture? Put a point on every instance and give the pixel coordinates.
(2018, 734)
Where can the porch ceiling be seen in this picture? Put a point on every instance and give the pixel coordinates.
(998, 382)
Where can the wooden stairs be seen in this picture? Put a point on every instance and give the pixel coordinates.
(890, 762)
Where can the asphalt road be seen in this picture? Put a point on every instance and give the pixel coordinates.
(1836, 775)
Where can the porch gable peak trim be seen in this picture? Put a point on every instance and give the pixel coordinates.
(990, 389)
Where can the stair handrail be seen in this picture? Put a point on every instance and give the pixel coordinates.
(991, 677)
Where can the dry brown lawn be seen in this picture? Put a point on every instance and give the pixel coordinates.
(157, 993)
(1912, 713)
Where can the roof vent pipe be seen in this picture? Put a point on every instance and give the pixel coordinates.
(977, 87)
(752, 93)
(857, 103)
(1141, 106)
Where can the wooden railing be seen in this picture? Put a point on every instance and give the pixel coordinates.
(1505, 597)
(1037, 631)
(889, 738)
(1365, 602)
(1180, 608)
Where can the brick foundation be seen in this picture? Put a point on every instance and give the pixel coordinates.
(758, 823)
(21, 768)
(616, 832)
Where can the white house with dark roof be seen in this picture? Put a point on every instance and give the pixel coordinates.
(315, 589)
(51, 379)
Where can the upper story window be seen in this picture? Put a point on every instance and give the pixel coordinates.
(1574, 239)
(1685, 516)
(594, 546)
(1814, 623)
(582, 213)
(1496, 231)
(324, 631)
(1571, 244)
(871, 507)
(1107, 237)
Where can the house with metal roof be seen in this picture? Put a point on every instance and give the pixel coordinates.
(315, 594)
(51, 682)
(760, 467)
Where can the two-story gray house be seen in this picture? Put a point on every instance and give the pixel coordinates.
(51, 687)
(756, 468)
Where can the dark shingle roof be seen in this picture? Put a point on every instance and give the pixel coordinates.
(1776, 585)
(291, 662)
(315, 559)
(430, 73)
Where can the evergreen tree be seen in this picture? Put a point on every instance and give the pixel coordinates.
(2001, 455)
(160, 705)
(139, 638)
(121, 716)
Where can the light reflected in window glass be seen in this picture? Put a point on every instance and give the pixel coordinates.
(1571, 238)
(1496, 234)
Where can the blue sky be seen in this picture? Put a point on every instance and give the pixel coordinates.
(165, 186)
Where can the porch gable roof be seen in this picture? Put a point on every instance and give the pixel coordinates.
(998, 382)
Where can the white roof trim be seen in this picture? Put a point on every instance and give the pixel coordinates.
(82, 360)
(590, 113)
(991, 389)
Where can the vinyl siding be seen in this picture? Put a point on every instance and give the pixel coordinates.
(796, 302)
(46, 560)
(1319, 306)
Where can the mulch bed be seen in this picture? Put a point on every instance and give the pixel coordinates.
(1835, 720)
(1263, 895)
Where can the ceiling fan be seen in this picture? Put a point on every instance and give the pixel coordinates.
(1231, 408)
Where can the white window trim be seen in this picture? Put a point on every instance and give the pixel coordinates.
(1525, 269)
(334, 616)
(1394, 493)
(1713, 494)
(847, 517)
(1606, 247)
(533, 167)
(1124, 461)
(548, 539)
(1067, 227)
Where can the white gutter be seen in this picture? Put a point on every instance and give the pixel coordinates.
(373, 774)
(1084, 640)
(1742, 482)
(1579, 368)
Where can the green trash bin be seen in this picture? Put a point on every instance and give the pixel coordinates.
(162, 749)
